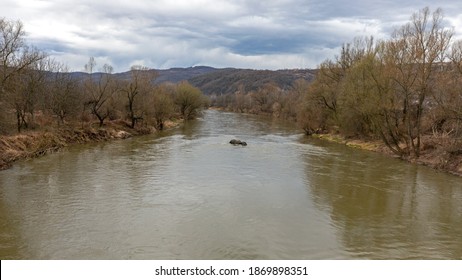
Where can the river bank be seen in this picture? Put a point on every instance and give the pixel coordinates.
(436, 152)
(191, 195)
(32, 144)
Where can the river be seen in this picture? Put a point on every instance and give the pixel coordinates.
(189, 194)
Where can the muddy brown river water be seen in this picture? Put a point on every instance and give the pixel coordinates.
(189, 194)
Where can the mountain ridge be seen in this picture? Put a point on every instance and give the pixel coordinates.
(212, 80)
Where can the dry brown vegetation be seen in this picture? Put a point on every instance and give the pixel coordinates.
(36, 143)
(405, 92)
(44, 107)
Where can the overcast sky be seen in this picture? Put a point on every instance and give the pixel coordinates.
(220, 33)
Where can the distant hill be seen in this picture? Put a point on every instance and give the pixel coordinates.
(172, 75)
(222, 81)
(176, 75)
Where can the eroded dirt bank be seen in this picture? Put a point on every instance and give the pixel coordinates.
(33, 144)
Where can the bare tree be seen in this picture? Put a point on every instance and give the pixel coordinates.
(15, 55)
(25, 89)
(141, 83)
(100, 89)
(18, 62)
(63, 93)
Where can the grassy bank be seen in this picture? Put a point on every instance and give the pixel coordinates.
(33, 144)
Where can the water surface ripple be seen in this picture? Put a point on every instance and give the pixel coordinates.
(189, 194)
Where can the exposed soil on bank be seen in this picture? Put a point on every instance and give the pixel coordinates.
(436, 153)
(440, 153)
(33, 144)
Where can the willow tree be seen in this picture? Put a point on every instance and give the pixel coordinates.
(189, 100)
(139, 85)
(329, 84)
(447, 119)
(454, 103)
(161, 105)
(415, 51)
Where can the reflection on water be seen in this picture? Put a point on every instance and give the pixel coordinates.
(188, 194)
(383, 208)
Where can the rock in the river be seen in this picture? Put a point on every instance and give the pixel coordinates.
(238, 142)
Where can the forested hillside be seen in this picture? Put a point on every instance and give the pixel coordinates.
(216, 81)
(230, 80)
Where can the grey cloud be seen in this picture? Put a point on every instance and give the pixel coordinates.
(253, 34)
